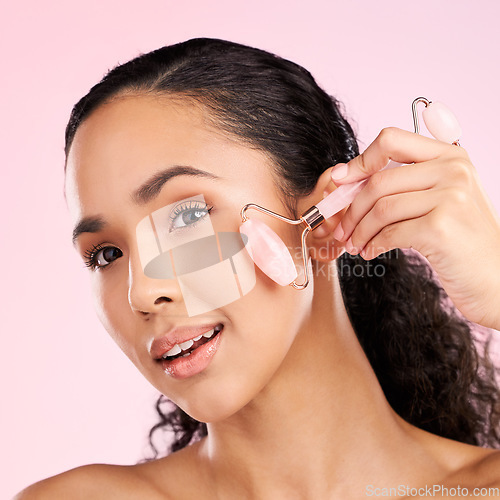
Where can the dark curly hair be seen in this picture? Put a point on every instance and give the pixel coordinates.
(434, 371)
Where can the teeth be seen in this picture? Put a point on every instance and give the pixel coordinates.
(178, 348)
(175, 350)
(209, 334)
(186, 345)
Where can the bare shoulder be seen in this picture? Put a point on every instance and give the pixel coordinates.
(487, 469)
(480, 475)
(461, 463)
(97, 481)
(181, 474)
(171, 477)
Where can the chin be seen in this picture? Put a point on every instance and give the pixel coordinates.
(210, 413)
(212, 410)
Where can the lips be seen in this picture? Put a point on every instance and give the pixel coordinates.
(186, 352)
(195, 363)
(180, 337)
(185, 349)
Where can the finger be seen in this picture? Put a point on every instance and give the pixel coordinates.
(325, 230)
(392, 209)
(381, 185)
(397, 235)
(440, 173)
(425, 234)
(392, 144)
(403, 179)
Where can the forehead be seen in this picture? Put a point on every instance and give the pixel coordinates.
(125, 141)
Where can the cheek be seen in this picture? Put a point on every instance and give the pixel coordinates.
(274, 317)
(265, 323)
(113, 311)
(263, 326)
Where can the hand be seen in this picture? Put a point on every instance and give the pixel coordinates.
(436, 206)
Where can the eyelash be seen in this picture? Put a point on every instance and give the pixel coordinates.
(186, 206)
(90, 254)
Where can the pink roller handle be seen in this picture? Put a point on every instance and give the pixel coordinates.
(344, 195)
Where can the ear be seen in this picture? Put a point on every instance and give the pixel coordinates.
(322, 245)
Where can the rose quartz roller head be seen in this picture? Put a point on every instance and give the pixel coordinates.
(268, 250)
(439, 120)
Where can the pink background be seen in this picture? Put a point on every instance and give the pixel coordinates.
(69, 396)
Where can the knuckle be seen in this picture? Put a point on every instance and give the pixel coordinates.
(457, 196)
(438, 225)
(362, 164)
(460, 171)
(382, 208)
(460, 152)
(463, 166)
(347, 218)
(388, 234)
(387, 137)
(374, 184)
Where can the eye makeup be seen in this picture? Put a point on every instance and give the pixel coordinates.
(93, 260)
(183, 216)
(187, 214)
(178, 242)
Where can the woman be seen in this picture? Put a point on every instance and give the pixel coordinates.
(367, 379)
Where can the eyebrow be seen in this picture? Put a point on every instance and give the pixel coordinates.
(88, 225)
(152, 187)
(146, 193)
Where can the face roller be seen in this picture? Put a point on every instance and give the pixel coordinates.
(267, 249)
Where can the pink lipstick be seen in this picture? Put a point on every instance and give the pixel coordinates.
(186, 352)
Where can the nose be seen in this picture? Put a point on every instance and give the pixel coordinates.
(148, 295)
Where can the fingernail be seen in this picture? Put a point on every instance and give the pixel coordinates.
(339, 171)
(338, 232)
(350, 247)
(325, 193)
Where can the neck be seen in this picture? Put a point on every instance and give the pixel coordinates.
(321, 426)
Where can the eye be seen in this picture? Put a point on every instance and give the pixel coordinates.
(188, 214)
(99, 256)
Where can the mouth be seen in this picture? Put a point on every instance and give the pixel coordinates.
(193, 356)
(185, 349)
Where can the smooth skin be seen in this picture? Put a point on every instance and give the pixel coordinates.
(294, 410)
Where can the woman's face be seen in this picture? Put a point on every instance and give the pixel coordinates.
(118, 148)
